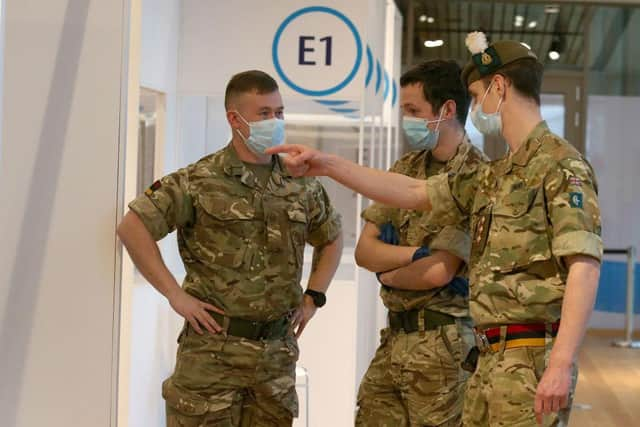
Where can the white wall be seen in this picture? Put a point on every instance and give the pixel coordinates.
(613, 148)
(58, 177)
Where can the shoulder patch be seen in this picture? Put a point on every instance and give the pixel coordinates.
(156, 185)
(575, 200)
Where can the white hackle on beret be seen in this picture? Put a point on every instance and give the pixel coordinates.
(476, 42)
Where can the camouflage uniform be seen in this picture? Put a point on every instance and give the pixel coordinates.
(415, 378)
(241, 233)
(527, 211)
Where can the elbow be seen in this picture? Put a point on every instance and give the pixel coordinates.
(440, 278)
(123, 229)
(364, 261)
(359, 257)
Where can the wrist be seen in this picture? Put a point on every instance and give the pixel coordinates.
(561, 361)
(173, 292)
(330, 164)
(318, 298)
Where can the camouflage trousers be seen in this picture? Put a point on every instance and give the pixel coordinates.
(226, 381)
(415, 379)
(502, 390)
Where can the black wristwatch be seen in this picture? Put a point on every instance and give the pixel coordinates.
(319, 299)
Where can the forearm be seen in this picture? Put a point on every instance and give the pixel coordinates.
(145, 254)
(377, 256)
(579, 298)
(430, 272)
(324, 265)
(389, 188)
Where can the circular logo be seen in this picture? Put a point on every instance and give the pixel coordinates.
(311, 45)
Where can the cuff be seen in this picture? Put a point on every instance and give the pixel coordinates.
(327, 232)
(453, 240)
(577, 243)
(151, 217)
(444, 209)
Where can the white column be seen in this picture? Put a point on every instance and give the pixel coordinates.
(61, 130)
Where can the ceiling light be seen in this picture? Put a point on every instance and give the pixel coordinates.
(431, 20)
(532, 24)
(433, 43)
(525, 45)
(423, 18)
(551, 8)
(519, 18)
(556, 48)
(517, 24)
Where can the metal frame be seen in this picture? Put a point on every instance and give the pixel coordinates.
(628, 342)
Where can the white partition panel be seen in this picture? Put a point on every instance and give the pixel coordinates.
(61, 115)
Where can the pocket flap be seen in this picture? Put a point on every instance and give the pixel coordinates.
(189, 403)
(297, 215)
(226, 208)
(516, 203)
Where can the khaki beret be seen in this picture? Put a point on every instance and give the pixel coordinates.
(494, 57)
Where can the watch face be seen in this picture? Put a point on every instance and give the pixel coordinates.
(319, 300)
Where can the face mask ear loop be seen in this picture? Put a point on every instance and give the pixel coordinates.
(499, 104)
(246, 122)
(486, 92)
(439, 119)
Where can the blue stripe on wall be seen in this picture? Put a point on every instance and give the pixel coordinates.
(612, 292)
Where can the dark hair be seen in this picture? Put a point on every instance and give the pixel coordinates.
(249, 81)
(441, 82)
(526, 76)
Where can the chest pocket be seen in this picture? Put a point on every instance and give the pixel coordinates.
(297, 229)
(224, 227)
(519, 230)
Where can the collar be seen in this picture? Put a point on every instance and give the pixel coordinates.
(233, 166)
(525, 152)
(531, 145)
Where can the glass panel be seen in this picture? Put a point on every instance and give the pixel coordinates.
(613, 68)
(553, 111)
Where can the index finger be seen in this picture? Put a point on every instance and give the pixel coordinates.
(212, 308)
(291, 149)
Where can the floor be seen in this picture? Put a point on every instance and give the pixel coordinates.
(608, 393)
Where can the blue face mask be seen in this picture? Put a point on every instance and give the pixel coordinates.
(487, 124)
(263, 134)
(419, 136)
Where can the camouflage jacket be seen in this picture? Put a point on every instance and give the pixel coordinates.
(417, 229)
(242, 245)
(528, 211)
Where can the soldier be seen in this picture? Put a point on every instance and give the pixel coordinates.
(242, 224)
(415, 377)
(536, 248)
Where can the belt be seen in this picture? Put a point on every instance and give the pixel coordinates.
(253, 330)
(519, 335)
(409, 321)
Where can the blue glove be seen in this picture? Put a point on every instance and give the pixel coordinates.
(389, 234)
(421, 252)
(459, 286)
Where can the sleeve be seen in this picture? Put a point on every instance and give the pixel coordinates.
(454, 239)
(573, 210)
(165, 205)
(451, 196)
(378, 213)
(324, 222)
